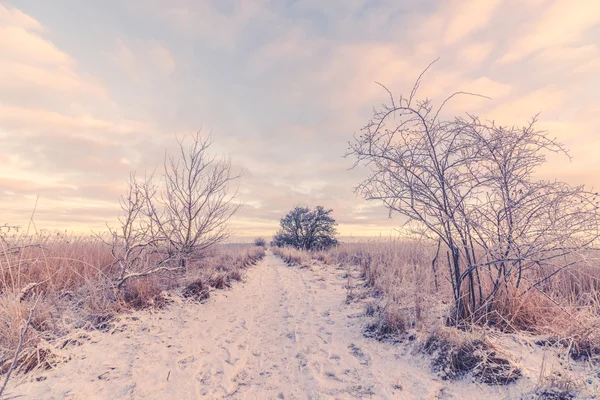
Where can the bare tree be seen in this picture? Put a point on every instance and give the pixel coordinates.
(168, 221)
(470, 185)
(135, 247)
(193, 210)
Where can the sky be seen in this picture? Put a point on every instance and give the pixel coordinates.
(91, 90)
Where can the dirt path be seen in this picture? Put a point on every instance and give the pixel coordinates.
(285, 333)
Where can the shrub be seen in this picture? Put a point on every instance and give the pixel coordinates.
(469, 185)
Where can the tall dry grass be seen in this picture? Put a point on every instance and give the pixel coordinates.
(292, 256)
(72, 279)
(411, 297)
(403, 271)
(566, 307)
(400, 273)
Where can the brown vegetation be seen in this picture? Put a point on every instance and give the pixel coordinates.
(410, 299)
(73, 280)
(566, 307)
(293, 256)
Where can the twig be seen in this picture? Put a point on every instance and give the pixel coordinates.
(19, 347)
(146, 273)
(27, 289)
(32, 215)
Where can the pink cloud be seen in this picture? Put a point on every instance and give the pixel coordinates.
(18, 74)
(522, 108)
(469, 16)
(16, 17)
(38, 119)
(475, 53)
(562, 23)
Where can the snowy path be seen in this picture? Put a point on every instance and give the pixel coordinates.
(284, 333)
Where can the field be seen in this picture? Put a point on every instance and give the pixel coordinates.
(557, 327)
(539, 343)
(69, 282)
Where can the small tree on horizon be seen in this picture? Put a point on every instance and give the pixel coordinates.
(307, 229)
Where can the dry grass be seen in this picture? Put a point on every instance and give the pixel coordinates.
(401, 272)
(568, 305)
(293, 256)
(73, 277)
(556, 384)
(409, 300)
